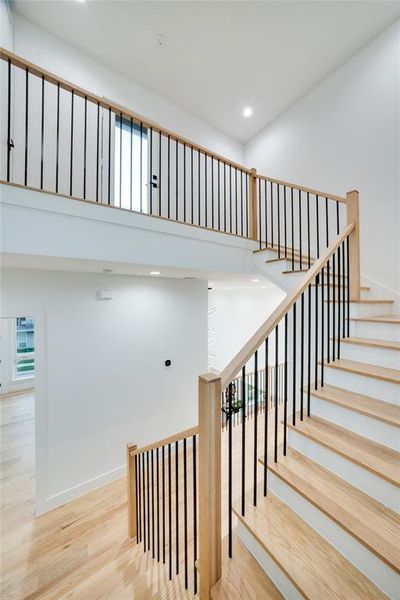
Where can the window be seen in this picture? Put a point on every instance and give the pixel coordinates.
(24, 356)
(131, 174)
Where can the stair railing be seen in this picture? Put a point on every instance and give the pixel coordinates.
(304, 332)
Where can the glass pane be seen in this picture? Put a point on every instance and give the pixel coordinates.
(128, 193)
(25, 366)
(25, 341)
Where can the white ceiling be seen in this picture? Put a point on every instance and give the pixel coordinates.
(219, 56)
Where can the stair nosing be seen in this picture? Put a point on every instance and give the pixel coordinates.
(342, 453)
(373, 343)
(318, 394)
(329, 513)
(335, 365)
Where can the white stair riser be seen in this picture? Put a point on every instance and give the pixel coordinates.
(361, 478)
(370, 386)
(375, 330)
(383, 357)
(373, 429)
(368, 563)
(370, 310)
(274, 572)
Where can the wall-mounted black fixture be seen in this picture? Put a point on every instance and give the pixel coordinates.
(167, 363)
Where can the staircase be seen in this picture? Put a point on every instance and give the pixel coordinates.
(329, 525)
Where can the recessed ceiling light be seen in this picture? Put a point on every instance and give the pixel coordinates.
(155, 273)
(255, 280)
(107, 270)
(247, 111)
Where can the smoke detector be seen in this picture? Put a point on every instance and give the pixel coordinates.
(160, 39)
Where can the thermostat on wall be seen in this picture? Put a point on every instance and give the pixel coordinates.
(105, 295)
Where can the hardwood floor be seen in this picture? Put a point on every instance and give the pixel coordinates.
(81, 551)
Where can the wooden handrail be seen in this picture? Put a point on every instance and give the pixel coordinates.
(241, 358)
(302, 188)
(104, 102)
(176, 437)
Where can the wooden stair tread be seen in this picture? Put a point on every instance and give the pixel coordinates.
(294, 271)
(376, 458)
(243, 578)
(366, 369)
(385, 344)
(380, 319)
(282, 250)
(370, 522)
(371, 407)
(364, 288)
(314, 567)
(365, 301)
(304, 260)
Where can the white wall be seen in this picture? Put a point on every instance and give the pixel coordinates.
(42, 48)
(345, 135)
(101, 380)
(234, 315)
(6, 28)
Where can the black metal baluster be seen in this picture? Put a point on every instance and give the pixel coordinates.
(294, 366)
(194, 515)
(144, 503)
(348, 285)
(163, 500)
(302, 357)
(292, 224)
(309, 354)
(300, 232)
(109, 157)
(141, 167)
(185, 511)
(139, 499)
(176, 179)
(316, 332)
(243, 440)
(339, 300)
(343, 291)
(266, 213)
(184, 182)
(272, 213)
(85, 150)
(169, 515)
(150, 174)
(152, 503)
(120, 161)
(58, 134)
(308, 231)
(205, 191)
(285, 218)
(322, 325)
(236, 203)
(241, 203)
(131, 167)
(285, 387)
(198, 186)
(224, 196)
(255, 456)
(334, 286)
(259, 213)
(266, 415)
(159, 173)
(158, 502)
(212, 193)
(71, 164)
(192, 185)
(276, 395)
(9, 144)
(26, 123)
(247, 203)
(279, 220)
(148, 499)
(42, 137)
(177, 504)
(169, 178)
(230, 198)
(230, 393)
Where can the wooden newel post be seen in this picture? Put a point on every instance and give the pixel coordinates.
(252, 207)
(352, 199)
(209, 482)
(131, 483)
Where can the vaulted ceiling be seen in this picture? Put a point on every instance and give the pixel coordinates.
(218, 56)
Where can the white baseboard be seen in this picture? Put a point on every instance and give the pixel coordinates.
(56, 500)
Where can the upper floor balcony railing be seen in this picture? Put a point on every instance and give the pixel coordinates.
(62, 139)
